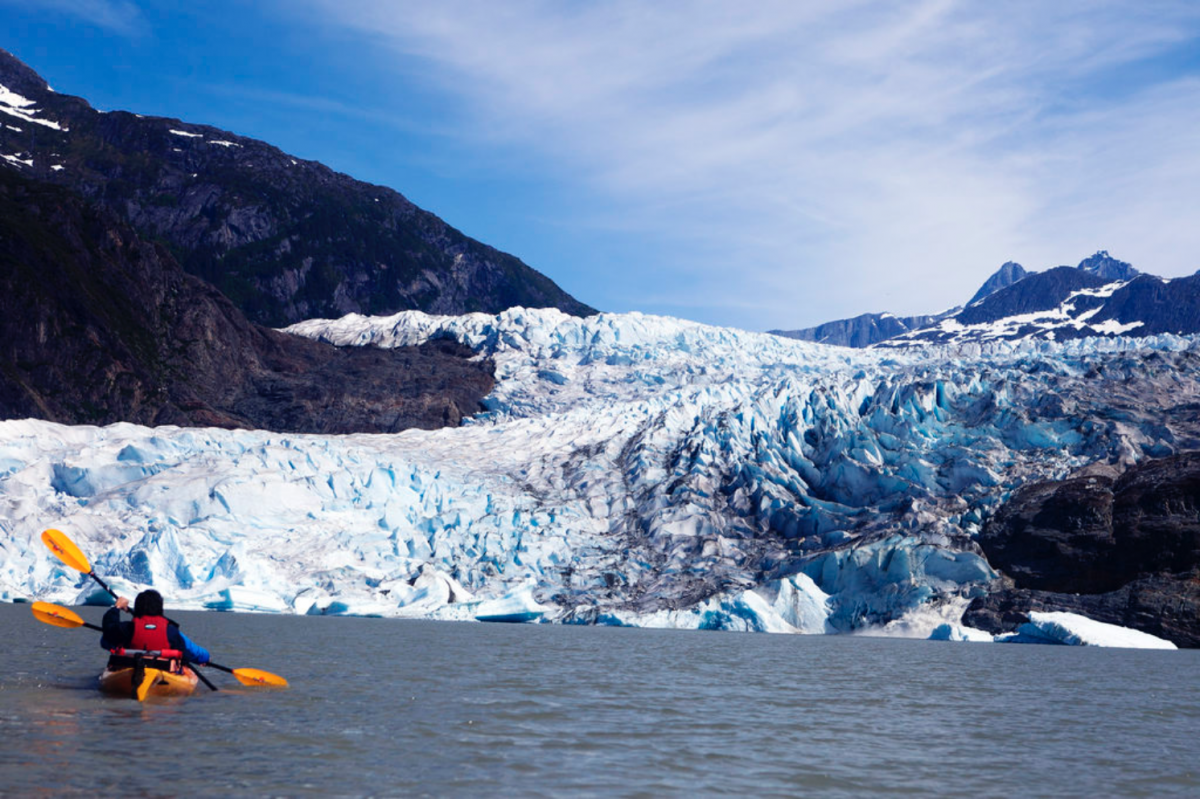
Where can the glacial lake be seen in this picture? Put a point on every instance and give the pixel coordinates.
(419, 708)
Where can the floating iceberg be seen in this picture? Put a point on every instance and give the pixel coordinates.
(247, 600)
(957, 632)
(1075, 630)
(517, 606)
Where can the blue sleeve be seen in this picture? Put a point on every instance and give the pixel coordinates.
(193, 652)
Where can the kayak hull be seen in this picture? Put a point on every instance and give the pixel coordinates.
(119, 682)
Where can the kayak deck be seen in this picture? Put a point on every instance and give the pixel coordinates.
(119, 682)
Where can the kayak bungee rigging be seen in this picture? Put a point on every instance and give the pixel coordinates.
(152, 668)
(142, 673)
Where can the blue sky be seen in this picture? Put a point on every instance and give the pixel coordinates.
(766, 165)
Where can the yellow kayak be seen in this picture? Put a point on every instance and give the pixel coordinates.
(157, 683)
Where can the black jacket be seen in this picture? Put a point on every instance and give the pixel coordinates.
(119, 633)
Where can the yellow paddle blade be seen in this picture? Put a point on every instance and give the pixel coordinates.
(66, 551)
(56, 615)
(148, 681)
(259, 677)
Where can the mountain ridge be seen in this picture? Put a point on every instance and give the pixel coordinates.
(1102, 296)
(98, 325)
(285, 239)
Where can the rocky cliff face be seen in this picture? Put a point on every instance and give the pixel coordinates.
(285, 239)
(98, 325)
(1008, 273)
(1110, 269)
(1122, 549)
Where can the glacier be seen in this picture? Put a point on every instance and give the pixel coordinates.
(628, 470)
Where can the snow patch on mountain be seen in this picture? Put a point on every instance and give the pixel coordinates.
(1070, 314)
(22, 108)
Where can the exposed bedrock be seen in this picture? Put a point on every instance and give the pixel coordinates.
(1120, 549)
(98, 325)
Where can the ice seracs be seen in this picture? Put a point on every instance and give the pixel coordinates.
(629, 469)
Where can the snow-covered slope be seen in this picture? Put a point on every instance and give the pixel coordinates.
(631, 470)
(1100, 297)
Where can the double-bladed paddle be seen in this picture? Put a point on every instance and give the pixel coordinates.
(59, 616)
(66, 551)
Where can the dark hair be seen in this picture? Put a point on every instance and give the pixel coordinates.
(148, 603)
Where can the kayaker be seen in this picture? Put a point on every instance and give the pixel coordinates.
(148, 630)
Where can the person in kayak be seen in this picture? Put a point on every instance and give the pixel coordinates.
(148, 630)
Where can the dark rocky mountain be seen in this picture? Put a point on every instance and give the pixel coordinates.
(1159, 306)
(1008, 273)
(1042, 291)
(863, 330)
(1105, 266)
(868, 329)
(1060, 303)
(98, 325)
(1066, 303)
(1122, 549)
(285, 239)
(1039, 291)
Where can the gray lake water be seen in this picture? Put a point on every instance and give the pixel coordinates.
(389, 707)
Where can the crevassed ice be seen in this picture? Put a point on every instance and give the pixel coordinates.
(630, 469)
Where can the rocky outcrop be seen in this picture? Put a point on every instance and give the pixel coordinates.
(98, 325)
(1167, 606)
(285, 239)
(1034, 292)
(1121, 549)
(1111, 269)
(1056, 536)
(1008, 273)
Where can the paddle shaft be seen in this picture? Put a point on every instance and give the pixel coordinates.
(219, 667)
(203, 679)
(113, 594)
(103, 584)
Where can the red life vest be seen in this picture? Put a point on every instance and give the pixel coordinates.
(149, 632)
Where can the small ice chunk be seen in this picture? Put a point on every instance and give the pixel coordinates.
(516, 606)
(956, 632)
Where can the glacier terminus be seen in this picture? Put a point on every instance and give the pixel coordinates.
(628, 470)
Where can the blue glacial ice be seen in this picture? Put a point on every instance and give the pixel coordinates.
(629, 469)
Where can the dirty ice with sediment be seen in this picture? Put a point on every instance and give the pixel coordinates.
(629, 470)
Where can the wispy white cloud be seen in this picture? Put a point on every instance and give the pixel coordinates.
(122, 17)
(838, 156)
